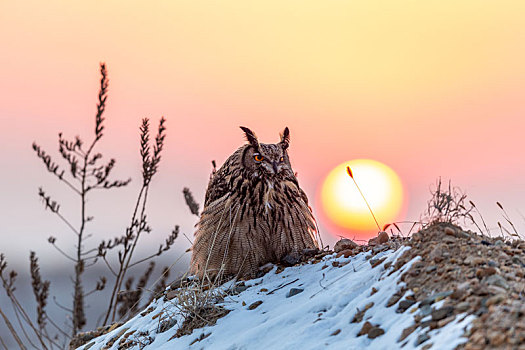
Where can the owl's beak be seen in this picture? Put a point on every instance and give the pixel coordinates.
(274, 165)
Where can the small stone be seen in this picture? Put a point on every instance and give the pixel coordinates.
(375, 332)
(336, 332)
(472, 260)
(373, 291)
(346, 253)
(478, 261)
(462, 234)
(496, 290)
(263, 290)
(393, 299)
(344, 244)
(436, 254)
(496, 299)
(266, 268)
(458, 294)
(291, 259)
(450, 231)
(369, 305)
(407, 331)
(483, 272)
(372, 241)
(430, 324)
(171, 294)
(448, 239)
(518, 261)
(308, 253)
(463, 306)
(254, 305)
(464, 285)
(239, 288)
(425, 310)
(445, 321)
(492, 263)
(440, 314)
(383, 237)
(153, 318)
(375, 262)
(481, 290)
(358, 317)
(404, 305)
(422, 338)
(380, 248)
(364, 330)
(496, 338)
(496, 280)
(431, 269)
(417, 236)
(294, 291)
(147, 311)
(436, 297)
(477, 338)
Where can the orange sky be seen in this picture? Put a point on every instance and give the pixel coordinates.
(431, 88)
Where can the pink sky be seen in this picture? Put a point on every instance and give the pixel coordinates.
(430, 88)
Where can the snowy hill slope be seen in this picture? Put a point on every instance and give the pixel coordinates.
(327, 304)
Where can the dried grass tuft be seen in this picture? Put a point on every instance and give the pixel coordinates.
(447, 204)
(198, 304)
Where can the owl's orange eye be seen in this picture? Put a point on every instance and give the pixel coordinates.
(281, 159)
(258, 158)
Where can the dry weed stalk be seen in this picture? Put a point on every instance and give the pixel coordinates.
(28, 329)
(190, 201)
(514, 233)
(84, 172)
(127, 243)
(351, 174)
(473, 220)
(85, 175)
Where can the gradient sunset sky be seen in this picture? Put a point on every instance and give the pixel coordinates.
(430, 88)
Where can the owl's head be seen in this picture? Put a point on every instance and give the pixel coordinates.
(267, 160)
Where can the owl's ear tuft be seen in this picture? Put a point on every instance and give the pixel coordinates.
(250, 137)
(285, 138)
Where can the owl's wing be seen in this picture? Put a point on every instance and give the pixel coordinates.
(292, 178)
(217, 188)
(221, 182)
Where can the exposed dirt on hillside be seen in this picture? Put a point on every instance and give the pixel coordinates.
(473, 274)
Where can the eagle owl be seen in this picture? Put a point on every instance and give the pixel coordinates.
(254, 212)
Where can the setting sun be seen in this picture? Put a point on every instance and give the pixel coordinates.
(345, 207)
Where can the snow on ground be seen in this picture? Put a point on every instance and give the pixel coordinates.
(316, 318)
